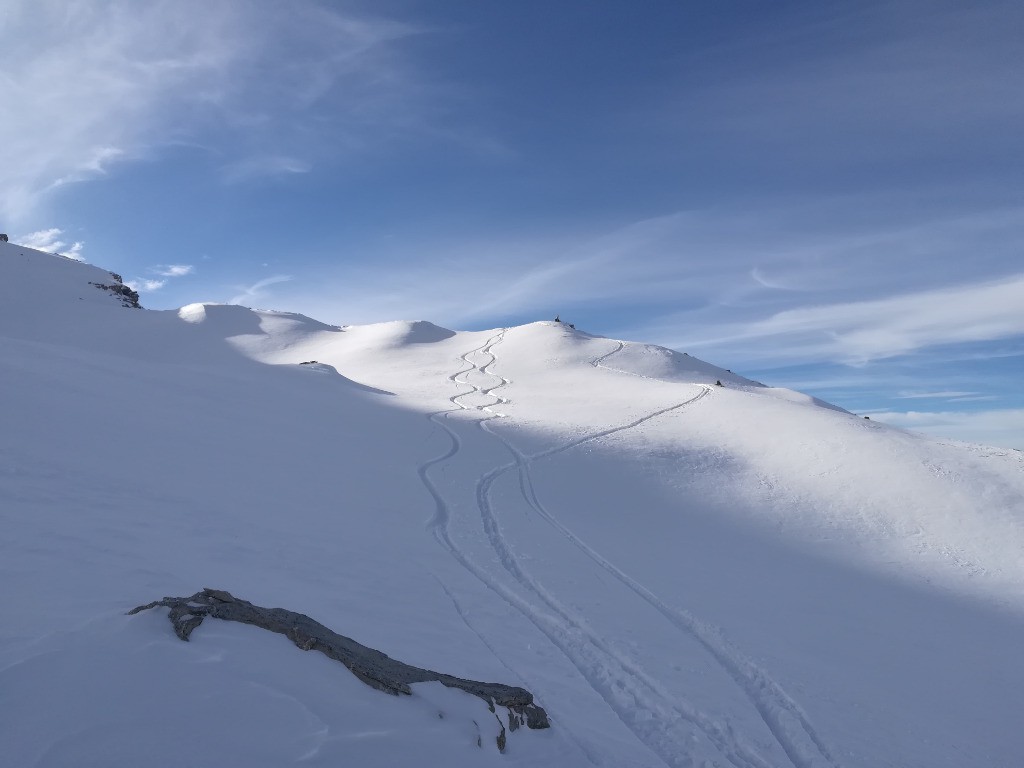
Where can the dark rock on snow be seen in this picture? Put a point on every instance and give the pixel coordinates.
(371, 666)
(128, 297)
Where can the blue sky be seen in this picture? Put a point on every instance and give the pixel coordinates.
(820, 195)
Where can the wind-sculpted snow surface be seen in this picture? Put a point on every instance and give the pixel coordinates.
(684, 574)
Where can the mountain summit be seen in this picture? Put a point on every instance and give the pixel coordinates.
(683, 566)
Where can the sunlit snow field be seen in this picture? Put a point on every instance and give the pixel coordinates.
(682, 573)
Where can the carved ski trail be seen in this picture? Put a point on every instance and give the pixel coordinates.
(781, 714)
(593, 758)
(638, 700)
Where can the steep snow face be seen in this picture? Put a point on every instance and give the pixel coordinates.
(683, 573)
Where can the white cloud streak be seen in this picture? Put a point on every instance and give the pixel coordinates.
(265, 166)
(52, 240)
(166, 271)
(858, 332)
(1004, 427)
(142, 285)
(257, 290)
(702, 278)
(466, 282)
(934, 395)
(88, 85)
(174, 270)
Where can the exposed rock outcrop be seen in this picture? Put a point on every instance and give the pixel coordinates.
(128, 297)
(371, 666)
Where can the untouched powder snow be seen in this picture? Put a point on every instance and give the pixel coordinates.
(684, 574)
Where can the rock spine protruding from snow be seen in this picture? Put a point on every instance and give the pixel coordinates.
(128, 297)
(374, 668)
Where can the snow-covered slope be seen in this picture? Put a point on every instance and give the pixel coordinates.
(682, 573)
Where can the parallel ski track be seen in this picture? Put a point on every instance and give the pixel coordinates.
(781, 714)
(644, 707)
(587, 751)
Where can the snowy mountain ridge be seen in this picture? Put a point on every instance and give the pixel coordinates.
(682, 573)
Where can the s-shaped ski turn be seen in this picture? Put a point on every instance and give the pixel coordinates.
(664, 722)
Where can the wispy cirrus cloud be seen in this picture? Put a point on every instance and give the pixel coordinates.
(458, 283)
(748, 284)
(265, 166)
(165, 271)
(860, 331)
(103, 83)
(257, 290)
(934, 395)
(1004, 427)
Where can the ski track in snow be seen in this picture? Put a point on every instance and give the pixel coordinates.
(592, 758)
(785, 718)
(781, 714)
(661, 721)
(720, 737)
